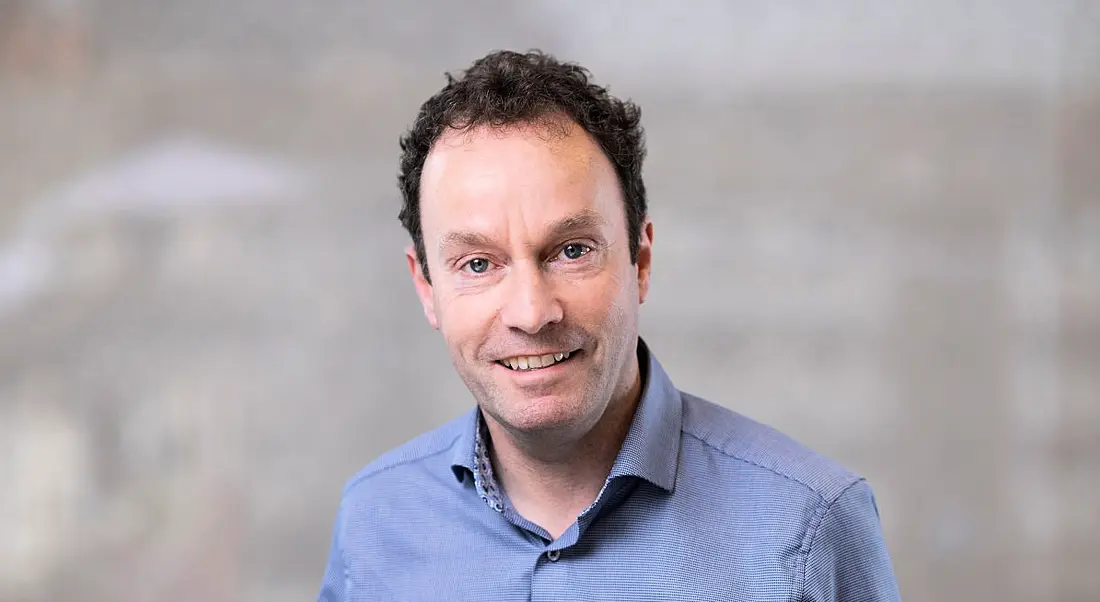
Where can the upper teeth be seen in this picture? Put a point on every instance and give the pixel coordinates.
(532, 362)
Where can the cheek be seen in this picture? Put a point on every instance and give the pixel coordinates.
(598, 301)
(464, 320)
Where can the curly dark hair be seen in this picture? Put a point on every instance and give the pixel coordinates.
(507, 88)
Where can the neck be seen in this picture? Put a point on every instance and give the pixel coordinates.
(551, 478)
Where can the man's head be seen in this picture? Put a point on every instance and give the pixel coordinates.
(531, 247)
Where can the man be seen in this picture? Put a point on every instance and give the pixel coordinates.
(582, 473)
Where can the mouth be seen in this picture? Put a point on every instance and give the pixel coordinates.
(531, 363)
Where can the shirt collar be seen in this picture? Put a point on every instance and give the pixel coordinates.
(651, 449)
(652, 445)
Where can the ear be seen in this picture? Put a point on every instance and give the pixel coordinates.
(423, 287)
(645, 260)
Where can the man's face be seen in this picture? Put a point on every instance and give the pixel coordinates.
(532, 284)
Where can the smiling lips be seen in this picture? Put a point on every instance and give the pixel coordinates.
(534, 362)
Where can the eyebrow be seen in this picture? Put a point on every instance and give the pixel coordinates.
(456, 239)
(585, 220)
(582, 221)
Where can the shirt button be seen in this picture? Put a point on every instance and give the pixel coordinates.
(553, 555)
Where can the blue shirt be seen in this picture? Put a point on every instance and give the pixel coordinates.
(701, 504)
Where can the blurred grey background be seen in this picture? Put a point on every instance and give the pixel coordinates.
(877, 229)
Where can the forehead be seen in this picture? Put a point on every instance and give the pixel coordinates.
(489, 179)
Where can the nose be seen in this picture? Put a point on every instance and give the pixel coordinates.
(529, 304)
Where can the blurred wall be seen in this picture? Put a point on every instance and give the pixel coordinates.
(877, 229)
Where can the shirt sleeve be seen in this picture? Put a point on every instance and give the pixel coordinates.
(334, 584)
(847, 559)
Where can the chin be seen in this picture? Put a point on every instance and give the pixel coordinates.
(541, 415)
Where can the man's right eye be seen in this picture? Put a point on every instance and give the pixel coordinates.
(477, 265)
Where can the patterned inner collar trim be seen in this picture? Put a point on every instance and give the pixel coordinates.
(484, 481)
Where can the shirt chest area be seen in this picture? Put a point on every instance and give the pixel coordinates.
(631, 553)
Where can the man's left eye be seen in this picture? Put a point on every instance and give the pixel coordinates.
(477, 265)
(575, 250)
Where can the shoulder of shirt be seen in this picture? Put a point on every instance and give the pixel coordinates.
(427, 445)
(743, 439)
